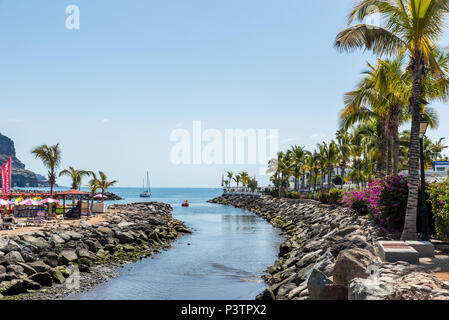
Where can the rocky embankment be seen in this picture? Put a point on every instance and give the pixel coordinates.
(331, 254)
(40, 265)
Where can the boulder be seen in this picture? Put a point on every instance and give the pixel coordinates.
(51, 259)
(84, 253)
(43, 278)
(267, 294)
(345, 231)
(93, 245)
(39, 266)
(57, 276)
(13, 287)
(14, 257)
(364, 289)
(67, 256)
(74, 235)
(27, 269)
(28, 255)
(124, 237)
(57, 239)
(38, 242)
(315, 284)
(352, 263)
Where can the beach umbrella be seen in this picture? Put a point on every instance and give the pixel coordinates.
(18, 200)
(49, 200)
(29, 202)
(5, 202)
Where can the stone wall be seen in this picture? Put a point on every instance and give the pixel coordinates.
(331, 254)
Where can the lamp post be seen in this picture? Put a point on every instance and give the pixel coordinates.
(423, 124)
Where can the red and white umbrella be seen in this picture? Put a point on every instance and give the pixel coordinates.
(49, 200)
(4, 202)
(100, 196)
(29, 202)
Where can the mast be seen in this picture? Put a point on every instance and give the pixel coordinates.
(148, 182)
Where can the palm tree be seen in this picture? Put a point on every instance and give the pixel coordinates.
(244, 177)
(330, 158)
(237, 178)
(298, 157)
(51, 159)
(103, 182)
(75, 175)
(229, 174)
(93, 186)
(413, 27)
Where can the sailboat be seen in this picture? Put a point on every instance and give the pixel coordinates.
(146, 193)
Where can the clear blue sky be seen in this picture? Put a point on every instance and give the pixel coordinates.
(112, 92)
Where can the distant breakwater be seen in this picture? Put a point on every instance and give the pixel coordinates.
(38, 265)
(327, 253)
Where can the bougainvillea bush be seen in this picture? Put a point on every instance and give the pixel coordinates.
(384, 200)
(439, 198)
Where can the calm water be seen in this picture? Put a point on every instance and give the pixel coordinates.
(224, 258)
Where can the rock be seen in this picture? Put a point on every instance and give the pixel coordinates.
(308, 258)
(345, 231)
(267, 294)
(3, 261)
(43, 278)
(315, 284)
(57, 276)
(364, 289)
(74, 235)
(106, 231)
(84, 253)
(85, 225)
(67, 256)
(31, 285)
(93, 245)
(14, 257)
(39, 266)
(39, 243)
(57, 239)
(128, 248)
(110, 248)
(51, 259)
(13, 287)
(27, 269)
(124, 237)
(352, 263)
(28, 255)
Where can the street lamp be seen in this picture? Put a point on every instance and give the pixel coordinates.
(423, 124)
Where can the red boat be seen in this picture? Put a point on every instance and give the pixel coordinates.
(185, 204)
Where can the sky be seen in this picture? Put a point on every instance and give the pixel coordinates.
(113, 91)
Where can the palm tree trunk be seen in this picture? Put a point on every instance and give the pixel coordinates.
(396, 152)
(418, 73)
(389, 157)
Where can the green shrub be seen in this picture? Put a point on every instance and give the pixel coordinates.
(335, 196)
(337, 180)
(439, 198)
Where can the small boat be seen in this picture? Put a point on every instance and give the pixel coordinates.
(185, 204)
(146, 193)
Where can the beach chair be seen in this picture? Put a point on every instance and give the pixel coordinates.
(39, 219)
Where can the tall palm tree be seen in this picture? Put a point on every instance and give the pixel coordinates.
(413, 27)
(75, 175)
(51, 159)
(330, 157)
(298, 157)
